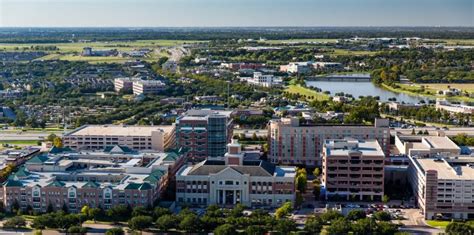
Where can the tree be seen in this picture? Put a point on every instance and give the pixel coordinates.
(331, 215)
(190, 223)
(388, 228)
(225, 229)
(77, 230)
(115, 231)
(299, 199)
(316, 172)
(301, 180)
(51, 137)
(44, 221)
(285, 226)
(93, 213)
(284, 210)
(459, 228)
(255, 230)
(139, 210)
(15, 222)
(339, 226)
(237, 211)
(313, 225)
(160, 211)
(354, 215)
(140, 222)
(119, 213)
(167, 222)
(362, 226)
(382, 216)
(385, 199)
(58, 142)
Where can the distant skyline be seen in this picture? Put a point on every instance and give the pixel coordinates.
(222, 13)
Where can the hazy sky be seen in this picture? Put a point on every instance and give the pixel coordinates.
(175, 13)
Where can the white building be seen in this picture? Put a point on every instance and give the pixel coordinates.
(148, 87)
(443, 187)
(296, 67)
(233, 180)
(264, 80)
(454, 108)
(426, 146)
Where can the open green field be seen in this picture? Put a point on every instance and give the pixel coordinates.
(469, 87)
(455, 42)
(430, 90)
(78, 46)
(19, 142)
(343, 52)
(306, 40)
(297, 89)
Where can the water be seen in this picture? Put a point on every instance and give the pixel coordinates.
(357, 89)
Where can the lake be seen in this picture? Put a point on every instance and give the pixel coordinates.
(357, 89)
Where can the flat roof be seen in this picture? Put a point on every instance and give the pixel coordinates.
(119, 130)
(342, 147)
(445, 170)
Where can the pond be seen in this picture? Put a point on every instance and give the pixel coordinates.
(362, 88)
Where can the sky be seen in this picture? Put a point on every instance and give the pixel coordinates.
(221, 13)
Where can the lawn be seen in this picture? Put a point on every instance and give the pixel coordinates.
(438, 223)
(343, 52)
(469, 87)
(307, 40)
(19, 142)
(297, 89)
(430, 91)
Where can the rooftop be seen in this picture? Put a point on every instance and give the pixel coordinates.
(343, 147)
(119, 130)
(445, 170)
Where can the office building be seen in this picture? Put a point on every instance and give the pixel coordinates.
(443, 187)
(233, 180)
(295, 144)
(426, 146)
(205, 133)
(159, 138)
(114, 176)
(148, 87)
(353, 170)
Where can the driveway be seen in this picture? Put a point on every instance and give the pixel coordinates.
(415, 223)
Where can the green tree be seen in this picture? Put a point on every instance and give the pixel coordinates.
(387, 228)
(94, 213)
(255, 230)
(140, 222)
(331, 215)
(15, 222)
(382, 216)
(225, 229)
(313, 225)
(459, 228)
(58, 142)
(51, 137)
(301, 179)
(190, 223)
(285, 226)
(115, 231)
(167, 222)
(362, 226)
(118, 213)
(316, 172)
(339, 226)
(77, 230)
(160, 211)
(284, 210)
(139, 210)
(385, 199)
(355, 215)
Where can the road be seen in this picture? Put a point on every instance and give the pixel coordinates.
(432, 130)
(415, 223)
(8, 135)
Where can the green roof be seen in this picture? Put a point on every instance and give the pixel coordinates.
(56, 183)
(136, 186)
(118, 148)
(40, 159)
(171, 156)
(56, 150)
(91, 184)
(13, 183)
(22, 172)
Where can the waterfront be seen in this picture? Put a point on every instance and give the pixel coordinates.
(362, 88)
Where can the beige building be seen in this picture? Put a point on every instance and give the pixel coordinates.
(426, 146)
(353, 170)
(295, 144)
(443, 187)
(159, 138)
(124, 83)
(232, 180)
(148, 87)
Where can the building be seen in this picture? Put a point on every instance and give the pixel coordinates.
(17, 157)
(147, 87)
(327, 65)
(124, 84)
(454, 108)
(172, 100)
(426, 146)
(353, 169)
(295, 144)
(88, 51)
(264, 80)
(232, 180)
(443, 187)
(208, 98)
(99, 179)
(296, 67)
(159, 138)
(205, 133)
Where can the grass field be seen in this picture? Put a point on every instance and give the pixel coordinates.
(342, 52)
(469, 87)
(297, 89)
(463, 42)
(19, 142)
(78, 46)
(307, 40)
(438, 223)
(431, 90)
